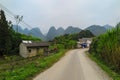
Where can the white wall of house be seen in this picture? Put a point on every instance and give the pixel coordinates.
(79, 45)
(88, 43)
(32, 52)
(27, 52)
(23, 50)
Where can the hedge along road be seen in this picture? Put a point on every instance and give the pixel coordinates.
(75, 65)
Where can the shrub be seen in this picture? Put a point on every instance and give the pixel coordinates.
(107, 48)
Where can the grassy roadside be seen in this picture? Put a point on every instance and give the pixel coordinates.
(29, 70)
(106, 68)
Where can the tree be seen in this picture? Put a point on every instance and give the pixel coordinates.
(85, 34)
(5, 35)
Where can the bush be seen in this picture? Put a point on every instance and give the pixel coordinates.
(107, 48)
(27, 68)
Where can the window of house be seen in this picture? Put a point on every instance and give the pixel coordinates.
(29, 50)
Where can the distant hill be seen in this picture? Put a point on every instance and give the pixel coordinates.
(34, 32)
(72, 30)
(108, 27)
(26, 31)
(20, 30)
(60, 31)
(37, 33)
(52, 33)
(96, 29)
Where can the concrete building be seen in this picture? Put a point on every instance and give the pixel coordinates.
(84, 42)
(30, 49)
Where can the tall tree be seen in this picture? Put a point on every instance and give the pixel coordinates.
(5, 35)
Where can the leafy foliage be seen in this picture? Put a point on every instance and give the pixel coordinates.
(107, 48)
(9, 39)
(25, 37)
(69, 41)
(5, 35)
(65, 42)
(83, 34)
(106, 68)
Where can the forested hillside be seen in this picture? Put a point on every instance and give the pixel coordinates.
(83, 34)
(97, 29)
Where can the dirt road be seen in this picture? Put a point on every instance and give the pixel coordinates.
(75, 65)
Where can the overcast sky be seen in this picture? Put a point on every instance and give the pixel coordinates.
(64, 13)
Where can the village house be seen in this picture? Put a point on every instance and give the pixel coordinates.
(30, 48)
(84, 42)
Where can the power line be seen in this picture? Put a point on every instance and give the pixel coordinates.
(11, 13)
(14, 16)
(17, 18)
(3, 7)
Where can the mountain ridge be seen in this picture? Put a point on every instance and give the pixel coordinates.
(53, 32)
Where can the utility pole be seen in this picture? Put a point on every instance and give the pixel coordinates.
(0, 14)
(18, 19)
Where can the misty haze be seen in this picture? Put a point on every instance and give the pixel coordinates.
(59, 40)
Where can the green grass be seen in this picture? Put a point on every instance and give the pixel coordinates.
(106, 68)
(29, 68)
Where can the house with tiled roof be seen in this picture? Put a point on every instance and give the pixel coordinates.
(84, 42)
(30, 48)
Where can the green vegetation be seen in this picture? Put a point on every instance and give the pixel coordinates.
(25, 37)
(5, 35)
(9, 39)
(85, 34)
(65, 42)
(14, 67)
(106, 48)
(106, 68)
(25, 69)
(69, 41)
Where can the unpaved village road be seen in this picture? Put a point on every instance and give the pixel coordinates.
(75, 65)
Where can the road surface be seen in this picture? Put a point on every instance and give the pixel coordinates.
(75, 65)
